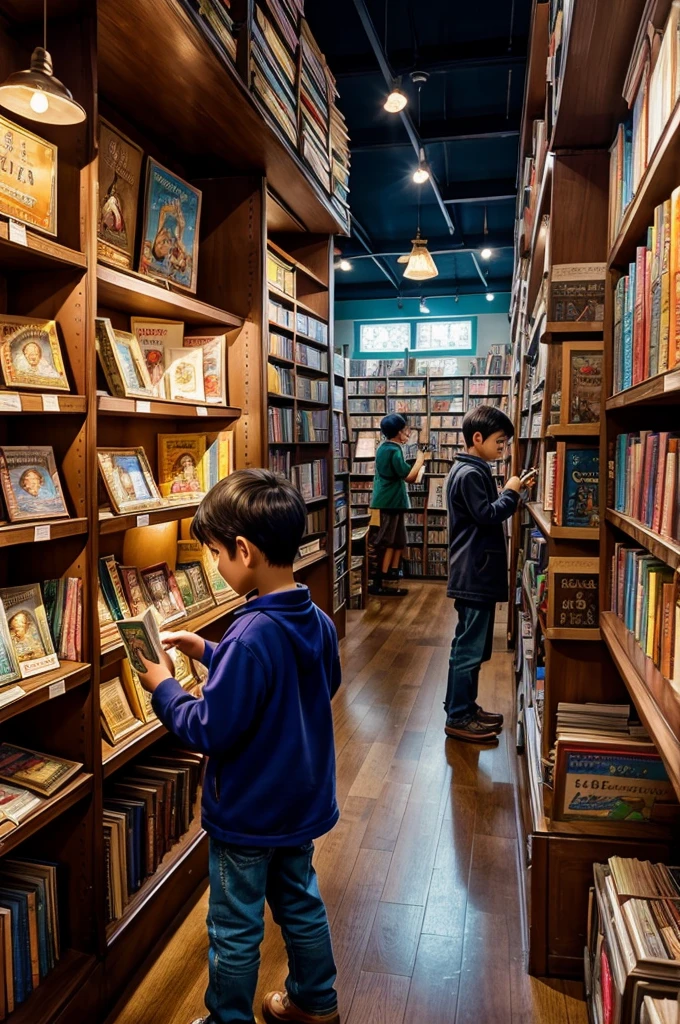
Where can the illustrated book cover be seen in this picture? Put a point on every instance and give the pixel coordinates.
(30, 483)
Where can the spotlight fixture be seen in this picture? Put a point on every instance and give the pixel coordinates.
(37, 94)
(420, 265)
(424, 308)
(486, 254)
(421, 174)
(344, 265)
(396, 100)
(490, 296)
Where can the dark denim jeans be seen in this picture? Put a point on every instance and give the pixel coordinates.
(240, 879)
(472, 644)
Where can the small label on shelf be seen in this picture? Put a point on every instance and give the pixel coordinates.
(143, 520)
(671, 381)
(42, 532)
(56, 689)
(17, 232)
(142, 406)
(9, 696)
(10, 401)
(50, 403)
(201, 410)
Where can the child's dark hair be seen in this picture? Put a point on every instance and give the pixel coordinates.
(261, 506)
(486, 419)
(392, 424)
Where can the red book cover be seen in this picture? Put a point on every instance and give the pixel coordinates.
(559, 483)
(607, 984)
(660, 481)
(649, 258)
(639, 313)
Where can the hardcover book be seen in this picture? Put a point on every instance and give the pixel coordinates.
(140, 635)
(122, 361)
(164, 592)
(28, 178)
(30, 354)
(28, 630)
(172, 213)
(120, 166)
(16, 804)
(41, 773)
(214, 351)
(138, 598)
(180, 458)
(118, 720)
(30, 484)
(184, 375)
(191, 552)
(128, 479)
(154, 337)
(9, 665)
(581, 487)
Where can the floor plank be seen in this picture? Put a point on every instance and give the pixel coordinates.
(379, 999)
(394, 939)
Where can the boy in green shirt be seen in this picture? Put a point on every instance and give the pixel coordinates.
(392, 473)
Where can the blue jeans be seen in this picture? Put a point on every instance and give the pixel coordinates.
(471, 645)
(240, 879)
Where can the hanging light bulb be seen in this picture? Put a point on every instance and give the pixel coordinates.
(486, 254)
(424, 308)
(37, 94)
(490, 296)
(421, 174)
(344, 265)
(396, 100)
(420, 265)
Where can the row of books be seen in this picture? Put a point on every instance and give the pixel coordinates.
(280, 461)
(311, 479)
(280, 380)
(312, 390)
(316, 521)
(273, 73)
(572, 485)
(646, 479)
(36, 631)
(646, 312)
(340, 156)
(312, 425)
(527, 198)
(217, 15)
(305, 355)
(314, 108)
(280, 424)
(340, 443)
(376, 405)
(644, 596)
(280, 345)
(29, 928)
(651, 89)
(147, 810)
(280, 274)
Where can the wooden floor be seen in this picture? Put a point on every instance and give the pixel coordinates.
(419, 876)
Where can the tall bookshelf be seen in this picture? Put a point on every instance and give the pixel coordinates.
(568, 126)
(255, 187)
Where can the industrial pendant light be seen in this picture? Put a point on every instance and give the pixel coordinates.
(421, 174)
(37, 94)
(396, 100)
(420, 265)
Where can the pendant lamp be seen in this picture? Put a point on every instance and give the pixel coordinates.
(37, 94)
(420, 265)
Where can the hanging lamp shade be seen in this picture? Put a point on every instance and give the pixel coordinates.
(420, 265)
(38, 95)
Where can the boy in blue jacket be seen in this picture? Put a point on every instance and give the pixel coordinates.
(264, 720)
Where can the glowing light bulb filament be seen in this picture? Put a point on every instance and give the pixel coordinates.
(39, 102)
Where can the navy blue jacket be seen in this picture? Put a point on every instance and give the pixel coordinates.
(478, 560)
(265, 721)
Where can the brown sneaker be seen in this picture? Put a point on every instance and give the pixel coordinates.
(490, 719)
(276, 1007)
(473, 731)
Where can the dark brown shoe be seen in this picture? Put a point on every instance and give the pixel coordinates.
(490, 719)
(388, 591)
(277, 1007)
(472, 732)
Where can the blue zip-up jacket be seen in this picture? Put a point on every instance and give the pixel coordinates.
(265, 721)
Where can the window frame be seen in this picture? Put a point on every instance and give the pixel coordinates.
(413, 352)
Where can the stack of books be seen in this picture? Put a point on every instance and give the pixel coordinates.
(280, 461)
(312, 390)
(314, 108)
(29, 928)
(305, 355)
(280, 424)
(315, 522)
(595, 720)
(217, 15)
(273, 50)
(280, 380)
(311, 479)
(340, 157)
(280, 345)
(63, 600)
(646, 480)
(312, 328)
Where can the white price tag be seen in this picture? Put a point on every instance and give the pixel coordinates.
(9, 696)
(56, 689)
(50, 403)
(42, 532)
(671, 381)
(201, 410)
(17, 232)
(142, 406)
(10, 401)
(143, 520)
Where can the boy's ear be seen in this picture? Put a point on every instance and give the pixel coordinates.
(477, 437)
(246, 550)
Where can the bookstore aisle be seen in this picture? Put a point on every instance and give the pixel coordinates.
(420, 875)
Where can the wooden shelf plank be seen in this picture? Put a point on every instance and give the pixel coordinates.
(556, 331)
(133, 293)
(56, 990)
(280, 359)
(37, 688)
(74, 791)
(573, 430)
(39, 253)
(32, 403)
(280, 294)
(648, 392)
(109, 406)
(296, 263)
(548, 529)
(664, 548)
(114, 757)
(312, 559)
(109, 523)
(24, 533)
(657, 703)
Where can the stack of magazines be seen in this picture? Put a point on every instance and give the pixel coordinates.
(314, 106)
(272, 63)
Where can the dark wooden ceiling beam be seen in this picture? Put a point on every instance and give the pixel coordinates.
(438, 59)
(386, 248)
(480, 191)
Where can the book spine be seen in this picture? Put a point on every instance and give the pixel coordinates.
(664, 331)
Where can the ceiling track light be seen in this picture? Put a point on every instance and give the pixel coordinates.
(397, 99)
(423, 308)
(344, 265)
(421, 174)
(490, 296)
(36, 94)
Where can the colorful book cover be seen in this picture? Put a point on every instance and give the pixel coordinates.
(581, 497)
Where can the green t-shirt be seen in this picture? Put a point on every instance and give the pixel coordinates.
(389, 488)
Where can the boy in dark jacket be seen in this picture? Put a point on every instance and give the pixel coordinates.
(478, 566)
(264, 719)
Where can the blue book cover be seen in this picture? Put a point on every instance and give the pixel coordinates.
(581, 487)
(621, 472)
(21, 946)
(627, 339)
(627, 163)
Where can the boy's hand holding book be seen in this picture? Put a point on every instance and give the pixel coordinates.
(190, 644)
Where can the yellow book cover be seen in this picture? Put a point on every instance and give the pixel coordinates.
(180, 472)
(651, 615)
(674, 332)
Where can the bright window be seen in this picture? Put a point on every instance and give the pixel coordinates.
(452, 335)
(385, 337)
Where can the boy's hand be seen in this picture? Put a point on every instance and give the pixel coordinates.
(155, 673)
(188, 643)
(513, 484)
(528, 478)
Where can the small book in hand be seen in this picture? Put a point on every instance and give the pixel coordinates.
(140, 635)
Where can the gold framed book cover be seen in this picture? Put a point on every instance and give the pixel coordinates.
(128, 479)
(183, 671)
(582, 366)
(214, 350)
(190, 551)
(118, 721)
(120, 170)
(164, 592)
(16, 804)
(185, 590)
(28, 177)
(184, 375)
(30, 354)
(139, 698)
(42, 773)
(138, 598)
(170, 225)
(9, 666)
(28, 629)
(573, 594)
(30, 483)
(200, 587)
(122, 361)
(154, 337)
(179, 465)
(141, 635)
